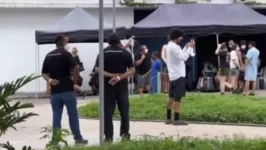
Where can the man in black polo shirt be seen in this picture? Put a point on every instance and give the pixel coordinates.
(57, 67)
(118, 66)
(143, 64)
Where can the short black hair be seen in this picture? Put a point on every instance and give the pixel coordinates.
(155, 53)
(234, 46)
(175, 33)
(243, 42)
(252, 43)
(59, 40)
(113, 39)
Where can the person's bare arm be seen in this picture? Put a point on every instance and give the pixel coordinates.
(130, 72)
(239, 58)
(140, 61)
(128, 43)
(76, 74)
(131, 69)
(218, 49)
(45, 71)
(46, 76)
(248, 57)
(163, 54)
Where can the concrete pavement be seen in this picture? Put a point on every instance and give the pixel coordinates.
(28, 133)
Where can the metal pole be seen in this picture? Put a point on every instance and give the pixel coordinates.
(101, 72)
(114, 16)
(36, 69)
(217, 41)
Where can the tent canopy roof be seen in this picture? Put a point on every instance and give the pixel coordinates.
(78, 24)
(202, 15)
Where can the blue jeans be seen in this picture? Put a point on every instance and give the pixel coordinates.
(68, 99)
(154, 88)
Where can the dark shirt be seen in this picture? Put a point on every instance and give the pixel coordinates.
(76, 59)
(145, 66)
(116, 60)
(224, 63)
(58, 64)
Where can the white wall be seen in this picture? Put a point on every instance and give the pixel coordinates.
(17, 42)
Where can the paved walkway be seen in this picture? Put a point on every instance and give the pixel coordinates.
(28, 133)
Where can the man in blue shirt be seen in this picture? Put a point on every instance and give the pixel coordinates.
(156, 67)
(251, 67)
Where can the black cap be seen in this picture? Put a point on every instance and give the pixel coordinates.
(113, 39)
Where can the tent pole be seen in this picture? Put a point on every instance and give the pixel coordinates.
(36, 69)
(101, 70)
(114, 16)
(217, 41)
(39, 81)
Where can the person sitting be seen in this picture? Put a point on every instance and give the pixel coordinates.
(209, 70)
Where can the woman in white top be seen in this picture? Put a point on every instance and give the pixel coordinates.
(234, 65)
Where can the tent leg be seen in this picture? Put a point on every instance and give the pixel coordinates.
(36, 70)
(217, 41)
(114, 16)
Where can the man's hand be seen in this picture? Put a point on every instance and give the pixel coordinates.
(54, 82)
(76, 88)
(114, 80)
(143, 56)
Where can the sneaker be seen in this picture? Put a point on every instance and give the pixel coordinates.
(81, 142)
(169, 121)
(125, 137)
(236, 91)
(222, 93)
(251, 94)
(108, 140)
(179, 122)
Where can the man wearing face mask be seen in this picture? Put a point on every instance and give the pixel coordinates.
(243, 51)
(143, 65)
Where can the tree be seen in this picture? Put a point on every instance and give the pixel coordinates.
(9, 111)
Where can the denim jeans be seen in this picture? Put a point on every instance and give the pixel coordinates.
(68, 99)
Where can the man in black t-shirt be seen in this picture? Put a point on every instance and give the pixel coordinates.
(56, 70)
(118, 67)
(143, 64)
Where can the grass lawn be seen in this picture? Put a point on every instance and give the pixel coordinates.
(195, 107)
(184, 144)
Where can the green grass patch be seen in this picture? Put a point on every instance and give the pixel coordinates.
(184, 144)
(194, 107)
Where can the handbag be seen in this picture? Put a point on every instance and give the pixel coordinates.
(81, 67)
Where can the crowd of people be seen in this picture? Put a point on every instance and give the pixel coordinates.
(237, 63)
(237, 67)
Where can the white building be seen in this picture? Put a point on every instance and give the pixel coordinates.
(20, 19)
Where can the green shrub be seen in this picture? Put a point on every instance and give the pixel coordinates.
(194, 107)
(184, 144)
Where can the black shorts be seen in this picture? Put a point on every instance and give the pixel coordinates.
(177, 89)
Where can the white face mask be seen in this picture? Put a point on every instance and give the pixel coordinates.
(146, 51)
(243, 46)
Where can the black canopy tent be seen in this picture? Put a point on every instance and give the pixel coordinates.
(201, 19)
(79, 26)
